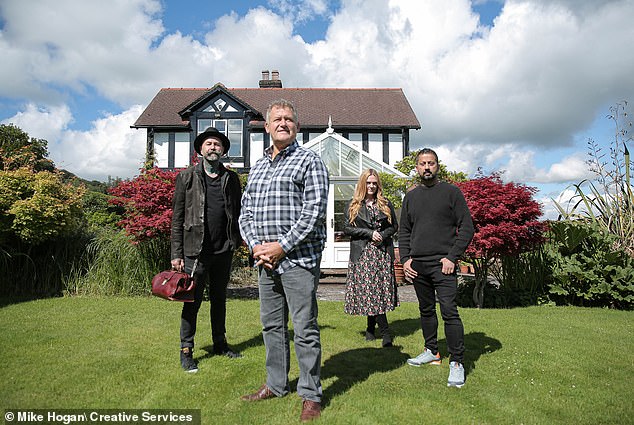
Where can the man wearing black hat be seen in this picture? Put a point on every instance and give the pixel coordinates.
(205, 233)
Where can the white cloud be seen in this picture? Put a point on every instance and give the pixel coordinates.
(42, 123)
(109, 148)
(529, 80)
(521, 168)
(486, 97)
(300, 10)
(71, 45)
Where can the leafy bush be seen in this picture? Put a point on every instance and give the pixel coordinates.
(505, 220)
(147, 201)
(37, 208)
(394, 188)
(99, 211)
(587, 270)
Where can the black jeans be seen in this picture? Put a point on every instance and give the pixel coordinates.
(213, 270)
(429, 283)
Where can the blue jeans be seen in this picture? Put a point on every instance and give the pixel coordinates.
(294, 292)
(429, 283)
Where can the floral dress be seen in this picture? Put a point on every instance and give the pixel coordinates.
(370, 283)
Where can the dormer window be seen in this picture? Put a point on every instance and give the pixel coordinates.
(232, 128)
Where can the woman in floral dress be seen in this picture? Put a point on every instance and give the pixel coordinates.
(370, 283)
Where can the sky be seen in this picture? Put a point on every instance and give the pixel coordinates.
(511, 86)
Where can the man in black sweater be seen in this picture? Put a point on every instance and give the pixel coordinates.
(435, 230)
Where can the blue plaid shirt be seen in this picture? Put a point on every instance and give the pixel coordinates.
(285, 201)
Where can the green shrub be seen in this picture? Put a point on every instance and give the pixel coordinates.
(588, 268)
(523, 278)
(37, 208)
(42, 270)
(98, 211)
(118, 267)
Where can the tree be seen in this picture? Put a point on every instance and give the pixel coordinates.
(395, 188)
(505, 217)
(408, 164)
(147, 200)
(17, 150)
(37, 208)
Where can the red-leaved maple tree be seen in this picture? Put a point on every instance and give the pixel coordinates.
(505, 217)
(147, 200)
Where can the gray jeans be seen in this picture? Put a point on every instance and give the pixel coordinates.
(294, 292)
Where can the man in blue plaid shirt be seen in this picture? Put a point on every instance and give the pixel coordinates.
(283, 219)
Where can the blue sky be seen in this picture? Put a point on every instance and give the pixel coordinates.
(515, 86)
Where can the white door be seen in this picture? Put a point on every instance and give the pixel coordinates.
(337, 249)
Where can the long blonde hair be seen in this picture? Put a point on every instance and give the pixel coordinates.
(361, 191)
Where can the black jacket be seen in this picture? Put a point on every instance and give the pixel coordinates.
(361, 234)
(188, 217)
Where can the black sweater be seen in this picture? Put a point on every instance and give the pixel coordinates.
(435, 223)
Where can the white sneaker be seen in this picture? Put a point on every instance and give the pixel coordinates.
(425, 357)
(456, 375)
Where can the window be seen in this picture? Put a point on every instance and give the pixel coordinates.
(181, 150)
(395, 148)
(356, 139)
(375, 146)
(256, 150)
(311, 136)
(232, 128)
(203, 125)
(343, 194)
(161, 149)
(234, 133)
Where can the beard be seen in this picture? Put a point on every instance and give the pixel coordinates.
(212, 156)
(428, 176)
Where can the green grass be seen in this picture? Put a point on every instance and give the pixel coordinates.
(535, 365)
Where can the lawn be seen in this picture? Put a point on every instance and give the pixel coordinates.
(536, 365)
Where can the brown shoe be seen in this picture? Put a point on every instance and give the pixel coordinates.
(262, 393)
(310, 410)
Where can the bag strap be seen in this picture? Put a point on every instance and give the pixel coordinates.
(194, 268)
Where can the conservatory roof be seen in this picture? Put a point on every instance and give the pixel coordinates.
(343, 158)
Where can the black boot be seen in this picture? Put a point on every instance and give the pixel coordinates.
(381, 319)
(221, 348)
(369, 332)
(187, 360)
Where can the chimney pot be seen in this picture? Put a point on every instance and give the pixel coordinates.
(275, 82)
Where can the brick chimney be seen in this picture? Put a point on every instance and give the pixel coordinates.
(274, 82)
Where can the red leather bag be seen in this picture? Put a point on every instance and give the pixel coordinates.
(174, 286)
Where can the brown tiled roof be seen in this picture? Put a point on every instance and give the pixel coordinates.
(378, 107)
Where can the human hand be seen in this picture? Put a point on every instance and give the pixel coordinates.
(268, 254)
(448, 266)
(178, 264)
(410, 273)
(376, 237)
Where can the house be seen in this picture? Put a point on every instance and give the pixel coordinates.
(372, 130)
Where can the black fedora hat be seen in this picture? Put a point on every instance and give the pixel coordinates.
(211, 132)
